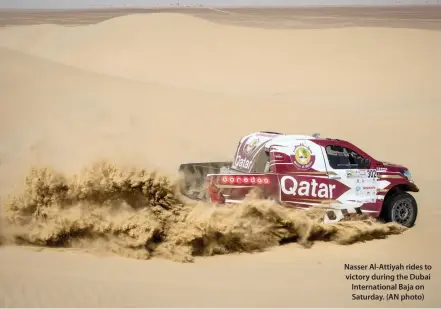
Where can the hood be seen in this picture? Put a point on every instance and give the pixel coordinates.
(391, 166)
(383, 167)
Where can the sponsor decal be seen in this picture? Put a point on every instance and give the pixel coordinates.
(303, 158)
(367, 191)
(369, 188)
(242, 162)
(358, 191)
(309, 188)
(380, 197)
(350, 173)
(247, 180)
(251, 145)
(356, 173)
(381, 169)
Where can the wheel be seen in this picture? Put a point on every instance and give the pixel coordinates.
(401, 208)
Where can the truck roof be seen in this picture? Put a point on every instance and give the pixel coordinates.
(280, 139)
(284, 139)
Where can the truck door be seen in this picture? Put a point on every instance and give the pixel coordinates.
(353, 170)
(302, 174)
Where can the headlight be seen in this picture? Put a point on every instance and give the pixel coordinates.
(407, 174)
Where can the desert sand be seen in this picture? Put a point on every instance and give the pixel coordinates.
(151, 91)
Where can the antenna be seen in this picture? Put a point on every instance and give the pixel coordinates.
(316, 135)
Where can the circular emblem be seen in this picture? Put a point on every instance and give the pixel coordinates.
(303, 157)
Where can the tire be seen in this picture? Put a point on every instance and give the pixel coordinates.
(401, 208)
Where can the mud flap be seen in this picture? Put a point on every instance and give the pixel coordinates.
(337, 212)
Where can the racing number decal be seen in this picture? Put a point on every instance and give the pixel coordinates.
(372, 173)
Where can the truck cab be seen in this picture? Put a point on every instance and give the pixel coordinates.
(305, 171)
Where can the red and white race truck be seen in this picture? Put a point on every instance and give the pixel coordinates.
(304, 171)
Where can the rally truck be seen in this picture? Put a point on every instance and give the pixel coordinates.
(305, 171)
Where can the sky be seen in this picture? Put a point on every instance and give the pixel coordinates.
(63, 4)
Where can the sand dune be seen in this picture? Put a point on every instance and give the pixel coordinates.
(246, 60)
(151, 91)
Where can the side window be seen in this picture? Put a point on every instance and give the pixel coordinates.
(337, 157)
(345, 158)
(357, 160)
